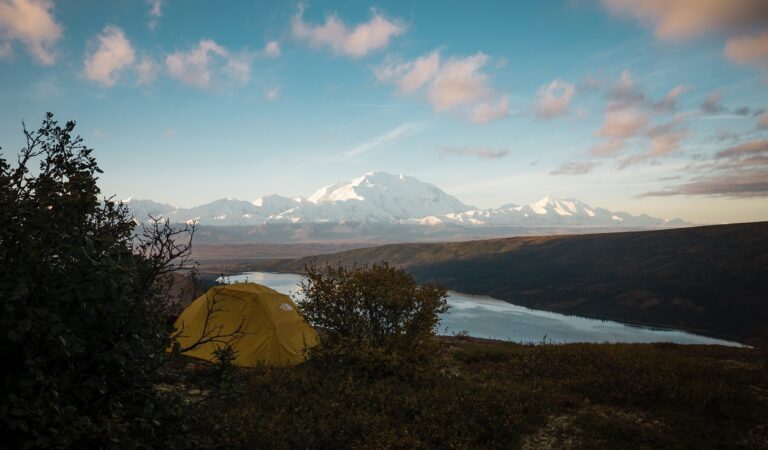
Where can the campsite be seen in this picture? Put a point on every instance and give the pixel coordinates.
(368, 224)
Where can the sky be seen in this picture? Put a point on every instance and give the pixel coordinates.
(645, 106)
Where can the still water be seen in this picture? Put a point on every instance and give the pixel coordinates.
(487, 317)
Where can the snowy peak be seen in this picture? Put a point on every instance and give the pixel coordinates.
(381, 196)
(274, 204)
(561, 207)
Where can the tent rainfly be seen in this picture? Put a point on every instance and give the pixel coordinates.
(272, 331)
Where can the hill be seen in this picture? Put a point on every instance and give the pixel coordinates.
(712, 279)
(504, 395)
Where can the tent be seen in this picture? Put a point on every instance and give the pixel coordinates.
(272, 330)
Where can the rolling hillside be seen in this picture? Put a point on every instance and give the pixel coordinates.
(711, 279)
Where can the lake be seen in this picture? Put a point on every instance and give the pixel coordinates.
(486, 317)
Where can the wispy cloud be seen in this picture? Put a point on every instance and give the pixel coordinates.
(449, 84)
(386, 139)
(146, 71)
(553, 99)
(355, 42)
(31, 23)
(737, 171)
(573, 168)
(272, 49)
(272, 94)
(478, 152)
(682, 19)
(113, 55)
(155, 13)
(711, 104)
(199, 66)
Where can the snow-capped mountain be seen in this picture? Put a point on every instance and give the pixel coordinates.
(381, 198)
(373, 197)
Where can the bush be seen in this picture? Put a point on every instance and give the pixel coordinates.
(370, 314)
(82, 329)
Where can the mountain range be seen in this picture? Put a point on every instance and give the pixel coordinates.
(397, 207)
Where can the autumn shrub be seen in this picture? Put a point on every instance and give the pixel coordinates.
(372, 317)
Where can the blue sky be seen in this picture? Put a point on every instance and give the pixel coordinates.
(643, 106)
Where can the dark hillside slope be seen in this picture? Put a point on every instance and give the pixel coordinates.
(711, 279)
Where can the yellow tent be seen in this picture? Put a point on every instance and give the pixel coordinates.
(273, 332)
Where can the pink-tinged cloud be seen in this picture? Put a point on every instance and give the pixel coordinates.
(490, 110)
(669, 102)
(31, 23)
(553, 99)
(272, 49)
(6, 50)
(356, 42)
(113, 55)
(606, 149)
(455, 83)
(711, 104)
(479, 152)
(751, 49)
(413, 75)
(624, 92)
(762, 121)
(573, 168)
(745, 149)
(459, 82)
(680, 19)
(623, 123)
(198, 66)
(146, 71)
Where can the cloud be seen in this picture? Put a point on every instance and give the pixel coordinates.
(661, 145)
(553, 99)
(680, 19)
(411, 76)
(606, 148)
(623, 123)
(355, 42)
(751, 49)
(480, 152)
(198, 66)
(272, 94)
(454, 83)
(711, 104)
(388, 138)
(155, 13)
(272, 49)
(669, 102)
(113, 55)
(742, 111)
(146, 71)
(746, 149)
(489, 111)
(737, 185)
(763, 121)
(737, 171)
(6, 50)
(625, 92)
(573, 168)
(32, 24)
(629, 115)
(459, 82)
